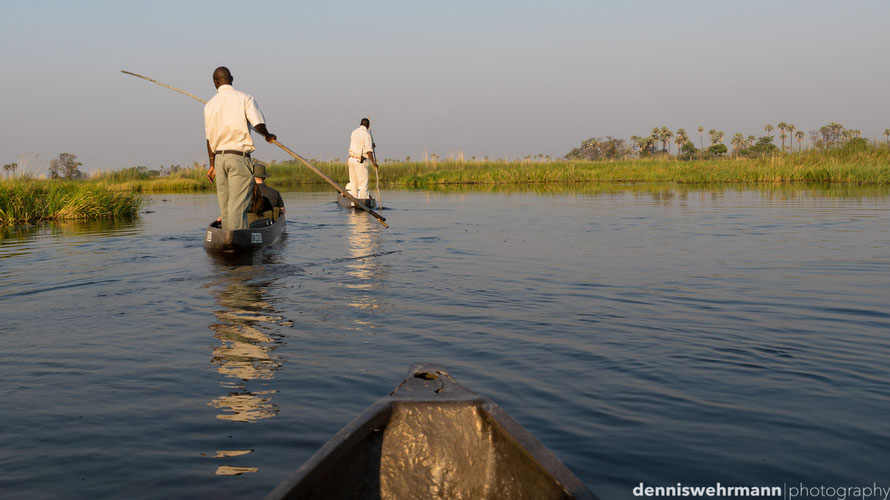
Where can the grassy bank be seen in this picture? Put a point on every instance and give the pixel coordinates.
(25, 201)
(864, 166)
(858, 167)
(116, 194)
(188, 180)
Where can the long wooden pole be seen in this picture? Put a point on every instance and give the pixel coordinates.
(164, 85)
(376, 170)
(336, 186)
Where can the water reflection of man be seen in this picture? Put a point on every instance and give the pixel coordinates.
(246, 352)
(364, 244)
(245, 327)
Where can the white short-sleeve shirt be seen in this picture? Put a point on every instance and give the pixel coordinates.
(360, 142)
(226, 116)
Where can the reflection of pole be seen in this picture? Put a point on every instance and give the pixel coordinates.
(376, 170)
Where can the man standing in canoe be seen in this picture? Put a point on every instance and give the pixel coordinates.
(361, 149)
(227, 120)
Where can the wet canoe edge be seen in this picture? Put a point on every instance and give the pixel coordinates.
(432, 438)
(242, 240)
(345, 203)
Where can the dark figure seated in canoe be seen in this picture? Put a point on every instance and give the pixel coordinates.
(266, 204)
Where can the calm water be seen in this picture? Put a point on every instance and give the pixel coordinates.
(734, 335)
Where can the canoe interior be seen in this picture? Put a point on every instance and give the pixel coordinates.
(241, 240)
(345, 203)
(420, 443)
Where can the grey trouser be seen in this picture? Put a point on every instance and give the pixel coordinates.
(234, 186)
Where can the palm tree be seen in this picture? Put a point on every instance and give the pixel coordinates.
(665, 136)
(701, 141)
(680, 139)
(769, 129)
(800, 135)
(656, 134)
(716, 136)
(738, 143)
(791, 128)
(849, 134)
(887, 134)
(782, 126)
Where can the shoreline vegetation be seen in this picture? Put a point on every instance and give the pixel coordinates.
(111, 195)
(28, 201)
(862, 165)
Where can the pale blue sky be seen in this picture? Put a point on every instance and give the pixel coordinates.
(487, 78)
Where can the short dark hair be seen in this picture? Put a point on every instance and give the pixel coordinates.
(222, 74)
(366, 122)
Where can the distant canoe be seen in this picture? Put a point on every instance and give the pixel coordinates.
(432, 438)
(345, 203)
(242, 240)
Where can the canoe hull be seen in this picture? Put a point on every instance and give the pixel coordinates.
(432, 438)
(345, 203)
(242, 240)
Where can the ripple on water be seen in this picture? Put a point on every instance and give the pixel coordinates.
(688, 335)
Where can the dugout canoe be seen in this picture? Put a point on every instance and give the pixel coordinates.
(432, 438)
(345, 203)
(217, 239)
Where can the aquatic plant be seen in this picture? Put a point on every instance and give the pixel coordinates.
(855, 163)
(25, 201)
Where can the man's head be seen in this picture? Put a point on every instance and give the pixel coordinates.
(222, 76)
(366, 122)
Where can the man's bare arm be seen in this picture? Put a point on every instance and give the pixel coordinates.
(211, 173)
(261, 128)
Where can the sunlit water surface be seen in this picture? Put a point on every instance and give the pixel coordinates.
(735, 335)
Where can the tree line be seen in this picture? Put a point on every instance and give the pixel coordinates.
(660, 140)
(65, 166)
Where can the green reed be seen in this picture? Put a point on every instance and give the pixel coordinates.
(861, 167)
(870, 165)
(25, 201)
(187, 180)
(866, 165)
